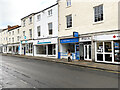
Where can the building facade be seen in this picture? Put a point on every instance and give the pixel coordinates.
(13, 43)
(46, 32)
(27, 29)
(90, 30)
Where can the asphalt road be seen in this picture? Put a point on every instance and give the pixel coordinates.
(28, 73)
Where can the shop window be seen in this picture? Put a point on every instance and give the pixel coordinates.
(108, 47)
(100, 57)
(51, 49)
(117, 51)
(29, 48)
(108, 57)
(41, 49)
(99, 46)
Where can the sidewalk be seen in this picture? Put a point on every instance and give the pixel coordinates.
(82, 63)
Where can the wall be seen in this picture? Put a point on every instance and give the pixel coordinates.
(83, 17)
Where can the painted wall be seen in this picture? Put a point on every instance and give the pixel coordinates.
(43, 23)
(83, 16)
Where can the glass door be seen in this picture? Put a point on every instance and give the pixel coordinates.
(87, 52)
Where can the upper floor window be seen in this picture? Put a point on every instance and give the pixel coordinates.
(9, 33)
(68, 3)
(30, 31)
(9, 39)
(69, 21)
(23, 23)
(13, 39)
(38, 17)
(18, 31)
(18, 38)
(23, 33)
(50, 12)
(98, 13)
(38, 31)
(30, 20)
(13, 33)
(50, 28)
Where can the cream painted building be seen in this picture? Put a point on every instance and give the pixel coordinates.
(14, 36)
(95, 25)
(27, 29)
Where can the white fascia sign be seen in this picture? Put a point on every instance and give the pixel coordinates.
(107, 37)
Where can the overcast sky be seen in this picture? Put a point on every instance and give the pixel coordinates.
(11, 11)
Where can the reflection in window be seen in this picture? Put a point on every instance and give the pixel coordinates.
(99, 46)
(108, 47)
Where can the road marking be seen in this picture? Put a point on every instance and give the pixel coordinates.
(23, 81)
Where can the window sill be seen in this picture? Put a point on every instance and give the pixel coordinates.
(68, 28)
(68, 6)
(99, 22)
(49, 15)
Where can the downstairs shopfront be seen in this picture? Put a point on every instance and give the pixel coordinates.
(71, 44)
(107, 48)
(13, 49)
(46, 47)
(26, 48)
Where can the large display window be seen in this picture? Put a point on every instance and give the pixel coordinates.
(117, 51)
(104, 51)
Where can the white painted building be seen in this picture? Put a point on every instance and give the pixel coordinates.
(46, 32)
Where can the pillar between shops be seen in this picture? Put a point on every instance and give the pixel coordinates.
(93, 49)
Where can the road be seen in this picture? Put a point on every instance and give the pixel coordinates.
(18, 72)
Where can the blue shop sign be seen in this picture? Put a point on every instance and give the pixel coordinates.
(43, 42)
(70, 40)
(75, 34)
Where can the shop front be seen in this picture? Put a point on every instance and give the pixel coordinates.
(13, 49)
(85, 48)
(71, 44)
(46, 47)
(26, 48)
(107, 48)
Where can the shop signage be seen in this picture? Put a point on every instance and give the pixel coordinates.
(116, 45)
(43, 42)
(107, 37)
(70, 40)
(84, 39)
(24, 37)
(75, 34)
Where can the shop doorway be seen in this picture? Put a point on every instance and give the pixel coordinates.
(87, 52)
(77, 52)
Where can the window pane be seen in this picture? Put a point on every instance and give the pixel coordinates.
(100, 57)
(41, 49)
(108, 47)
(99, 46)
(108, 57)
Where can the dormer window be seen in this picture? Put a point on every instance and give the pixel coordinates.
(30, 20)
(50, 12)
(23, 23)
(38, 17)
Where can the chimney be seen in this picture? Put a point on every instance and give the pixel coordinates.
(9, 26)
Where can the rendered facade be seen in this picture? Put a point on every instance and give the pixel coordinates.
(89, 29)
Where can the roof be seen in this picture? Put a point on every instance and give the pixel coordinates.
(13, 27)
(39, 11)
(46, 8)
(28, 16)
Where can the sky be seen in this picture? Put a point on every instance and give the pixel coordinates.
(11, 11)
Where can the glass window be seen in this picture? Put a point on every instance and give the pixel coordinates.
(30, 31)
(51, 49)
(30, 20)
(50, 12)
(69, 21)
(117, 51)
(108, 57)
(38, 31)
(50, 28)
(108, 47)
(29, 48)
(68, 2)
(99, 46)
(41, 49)
(100, 57)
(23, 33)
(23, 23)
(38, 17)
(98, 13)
